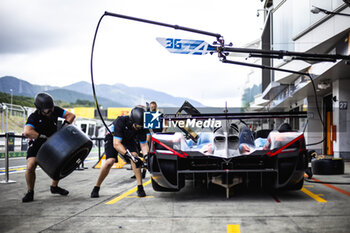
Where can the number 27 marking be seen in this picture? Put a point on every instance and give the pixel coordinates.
(173, 43)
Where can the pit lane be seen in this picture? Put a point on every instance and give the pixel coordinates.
(196, 208)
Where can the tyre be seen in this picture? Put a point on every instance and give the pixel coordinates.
(158, 188)
(63, 152)
(327, 166)
(296, 186)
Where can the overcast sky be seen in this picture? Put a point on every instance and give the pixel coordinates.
(48, 42)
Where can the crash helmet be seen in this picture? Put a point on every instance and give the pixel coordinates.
(285, 127)
(136, 115)
(43, 101)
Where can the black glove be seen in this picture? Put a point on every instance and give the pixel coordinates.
(128, 156)
(42, 136)
(65, 123)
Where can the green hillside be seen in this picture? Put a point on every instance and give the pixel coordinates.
(18, 100)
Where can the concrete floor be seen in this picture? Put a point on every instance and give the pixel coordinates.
(316, 208)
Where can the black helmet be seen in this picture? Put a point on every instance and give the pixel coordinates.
(136, 115)
(285, 127)
(43, 101)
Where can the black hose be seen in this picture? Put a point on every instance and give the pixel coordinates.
(218, 36)
(92, 74)
(318, 111)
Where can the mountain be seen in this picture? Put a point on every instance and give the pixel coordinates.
(72, 96)
(132, 95)
(23, 88)
(117, 95)
(20, 87)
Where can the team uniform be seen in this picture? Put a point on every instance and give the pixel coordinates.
(43, 125)
(123, 130)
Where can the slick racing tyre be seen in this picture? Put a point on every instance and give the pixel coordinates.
(327, 166)
(63, 152)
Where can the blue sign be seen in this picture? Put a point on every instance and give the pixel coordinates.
(151, 120)
(184, 46)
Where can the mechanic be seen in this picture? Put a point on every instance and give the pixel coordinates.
(125, 130)
(40, 125)
(154, 108)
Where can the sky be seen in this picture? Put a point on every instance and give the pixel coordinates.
(48, 42)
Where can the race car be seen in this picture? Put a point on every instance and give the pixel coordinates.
(228, 154)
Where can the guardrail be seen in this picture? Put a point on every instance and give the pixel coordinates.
(9, 142)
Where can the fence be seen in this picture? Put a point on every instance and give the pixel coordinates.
(10, 145)
(13, 117)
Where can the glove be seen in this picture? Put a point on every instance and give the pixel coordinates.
(42, 136)
(128, 156)
(65, 123)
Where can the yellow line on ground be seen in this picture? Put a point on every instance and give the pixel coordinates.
(125, 194)
(233, 228)
(314, 196)
(138, 197)
(14, 169)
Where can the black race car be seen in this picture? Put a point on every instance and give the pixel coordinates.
(228, 154)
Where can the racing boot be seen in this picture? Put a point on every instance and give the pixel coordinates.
(58, 190)
(140, 191)
(94, 193)
(29, 196)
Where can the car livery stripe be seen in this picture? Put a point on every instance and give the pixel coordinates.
(168, 148)
(270, 153)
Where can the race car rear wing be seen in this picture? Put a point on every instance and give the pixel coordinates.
(232, 116)
(193, 113)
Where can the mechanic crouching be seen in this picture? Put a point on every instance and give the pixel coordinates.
(40, 125)
(126, 130)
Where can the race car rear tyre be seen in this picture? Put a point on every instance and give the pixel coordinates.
(158, 188)
(327, 166)
(296, 186)
(63, 152)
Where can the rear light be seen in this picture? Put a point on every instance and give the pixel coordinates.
(283, 148)
(174, 152)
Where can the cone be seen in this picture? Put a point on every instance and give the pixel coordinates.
(118, 165)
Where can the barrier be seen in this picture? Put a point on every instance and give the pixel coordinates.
(117, 165)
(9, 137)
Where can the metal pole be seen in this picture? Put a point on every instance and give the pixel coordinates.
(11, 100)
(7, 181)
(24, 117)
(7, 157)
(7, 119)
(2, 118)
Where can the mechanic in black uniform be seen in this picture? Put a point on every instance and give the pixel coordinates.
(125, 130)
(154, 108)
(40, 125)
